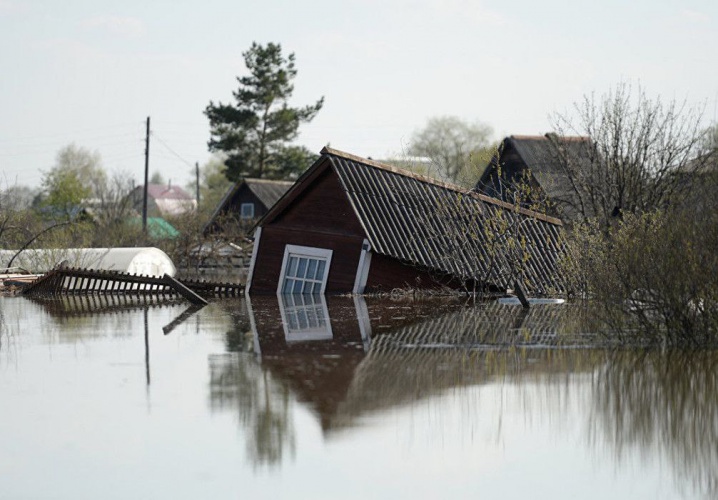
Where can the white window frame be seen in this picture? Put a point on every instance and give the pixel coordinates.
(241, 210)
(305, 318)
(310, 252)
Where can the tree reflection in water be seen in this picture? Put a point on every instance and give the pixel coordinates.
(662, 403)
(240, 383)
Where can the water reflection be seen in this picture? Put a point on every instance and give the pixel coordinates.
(447, 391)
(238, 383)
(389, 354)
(662, 404)
(348, 359)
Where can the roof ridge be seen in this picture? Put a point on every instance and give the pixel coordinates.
(257, 179)
(524, 137)
(545, 137)
(393, 169)
(446, 185)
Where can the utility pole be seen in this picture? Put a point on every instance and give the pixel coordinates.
(196, 171)
(147, 176)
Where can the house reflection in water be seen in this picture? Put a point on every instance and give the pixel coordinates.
(309, 351)
(348, 360)
(345, 357)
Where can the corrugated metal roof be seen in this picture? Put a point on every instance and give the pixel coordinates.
(553, 161)
(447, 229)
(268, 191)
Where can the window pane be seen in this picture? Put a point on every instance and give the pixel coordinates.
(302, 268)
(302, 319)
(312, 317)
(320, 269)
(321, 319)
(312, 269)
(292, 267)
(303, 275)
(247, 210)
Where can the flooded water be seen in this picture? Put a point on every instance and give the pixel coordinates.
(343, 398)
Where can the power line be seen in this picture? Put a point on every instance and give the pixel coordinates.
(175, 153)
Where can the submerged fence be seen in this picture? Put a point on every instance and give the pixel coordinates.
(71, 281)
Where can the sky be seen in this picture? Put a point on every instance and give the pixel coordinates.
(90, 72)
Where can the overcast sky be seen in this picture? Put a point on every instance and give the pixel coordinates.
(91, 71)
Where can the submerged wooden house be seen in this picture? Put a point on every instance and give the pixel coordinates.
(352, 225)
(247, 201)
(545, 170)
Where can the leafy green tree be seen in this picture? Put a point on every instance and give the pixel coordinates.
(289, 158)
(254, 132)
(76, 176)
(157, 178)
(455, 148)
(64, 191)
(85, 164)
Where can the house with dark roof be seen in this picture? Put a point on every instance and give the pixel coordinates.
(353, 225)
(545, 170)
(163, 200)
(247, 201)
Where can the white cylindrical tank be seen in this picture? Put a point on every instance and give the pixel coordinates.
(149, 261)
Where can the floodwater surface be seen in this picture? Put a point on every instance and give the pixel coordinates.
(302, 397)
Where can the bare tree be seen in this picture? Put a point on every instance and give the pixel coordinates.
(112, 201)
(639, 151)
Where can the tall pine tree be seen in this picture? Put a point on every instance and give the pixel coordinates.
(255, 132)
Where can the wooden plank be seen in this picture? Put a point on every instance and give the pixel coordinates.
(183, 290)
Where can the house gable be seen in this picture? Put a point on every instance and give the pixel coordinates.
(319, 216)
(550, 165)
(261, 194)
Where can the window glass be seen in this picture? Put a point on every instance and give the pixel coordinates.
(247, 211)
(305, 318)
(304, 270)
(312, 269)
(292, 266)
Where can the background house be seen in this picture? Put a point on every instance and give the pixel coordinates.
(540, 170)
(246, 201)
(163, 200)
(353, 225)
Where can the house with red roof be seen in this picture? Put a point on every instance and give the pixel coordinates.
(163, 200)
